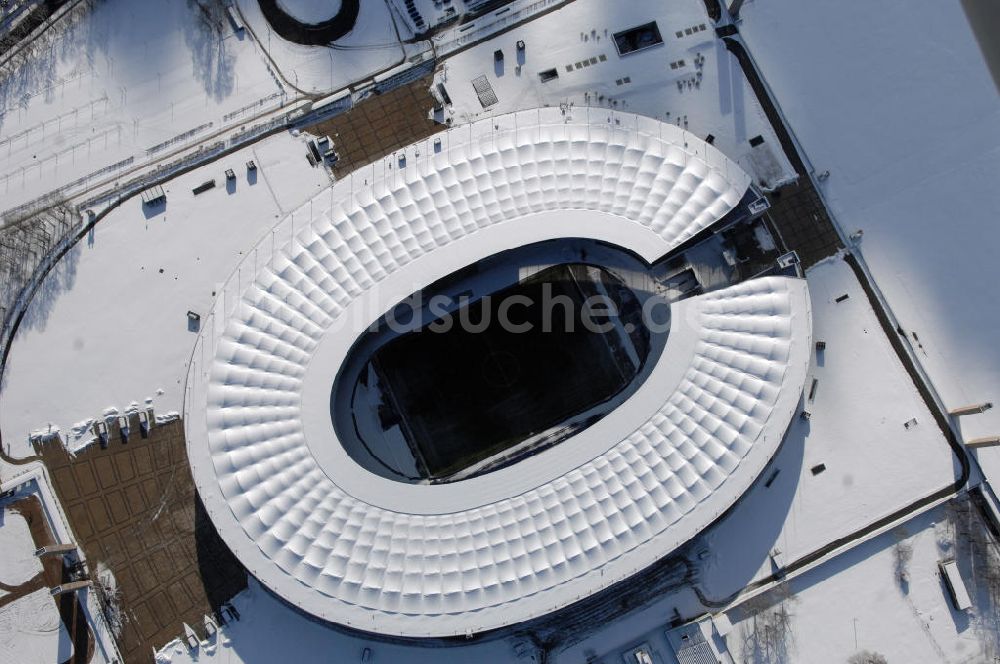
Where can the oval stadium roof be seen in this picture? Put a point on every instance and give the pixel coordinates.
(438, 560)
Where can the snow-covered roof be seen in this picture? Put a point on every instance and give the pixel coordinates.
(434, 560)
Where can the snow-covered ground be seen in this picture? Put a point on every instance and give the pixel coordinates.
(874, 464)
(16, 549)
(691, 80)
(372, 47)
(28, 631)
(885, 596)
(109, 326)
(31, 631)
(857, 603)
(124, 80)
(269, 631)
(895, 100)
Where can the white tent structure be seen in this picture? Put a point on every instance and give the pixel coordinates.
(451, 559)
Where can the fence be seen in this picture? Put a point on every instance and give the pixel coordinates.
(179, 138)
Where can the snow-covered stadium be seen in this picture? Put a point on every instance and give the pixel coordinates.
(535, 331)
(424, 559)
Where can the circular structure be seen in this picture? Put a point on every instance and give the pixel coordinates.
(311, 22)
(438, 560)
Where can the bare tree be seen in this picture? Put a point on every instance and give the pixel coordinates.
(212, 13)
(767, 635)
(109, 598)
(867, 657)
(902, 553)
(977, 554)
(25, 241)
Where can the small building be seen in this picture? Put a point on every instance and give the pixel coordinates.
(640, 654)
(314, 152)
(695, 642)
(235, 20)
(203, 187)
(153, 196)
(956, 585)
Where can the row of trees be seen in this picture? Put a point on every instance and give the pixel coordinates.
(25, 241)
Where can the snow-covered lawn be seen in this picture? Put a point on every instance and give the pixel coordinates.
(124, 80)
(109, 326)
(873, 464)
(852, 603)
(691, 80)
(894, 99)
(31, 631)
(856, 603)
(17, 551)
